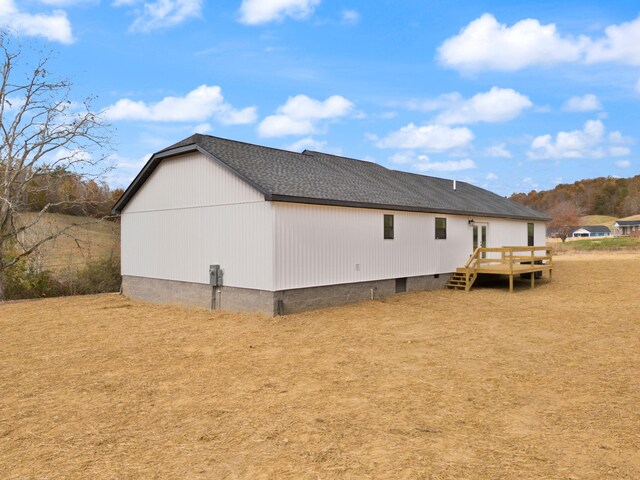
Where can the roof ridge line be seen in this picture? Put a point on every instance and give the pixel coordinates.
(247, 143)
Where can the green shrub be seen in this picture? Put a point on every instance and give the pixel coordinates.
(98, 276)
(23, 282)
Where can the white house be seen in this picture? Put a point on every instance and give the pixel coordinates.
(627, 227)
(592, 231)
(296, 231)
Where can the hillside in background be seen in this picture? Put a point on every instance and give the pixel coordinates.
(605, 220)
(604, 196)
(85, 259)
(86, 240)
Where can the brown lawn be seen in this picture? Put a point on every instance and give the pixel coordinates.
(542, 383)
(91, 240)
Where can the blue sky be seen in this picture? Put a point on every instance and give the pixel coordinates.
(509, 95)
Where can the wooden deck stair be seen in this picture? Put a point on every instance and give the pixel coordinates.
(508, 261)
(458, 281)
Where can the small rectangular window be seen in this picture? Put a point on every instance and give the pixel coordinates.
(388, 227)
(441, 228)
(530, 239)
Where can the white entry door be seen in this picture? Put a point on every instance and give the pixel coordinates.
(480, 237)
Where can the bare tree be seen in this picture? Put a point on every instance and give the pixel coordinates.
(42, 133)
(564, 220)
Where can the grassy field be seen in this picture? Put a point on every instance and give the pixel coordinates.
(541, 383)
(598, 244)
(598, 220)
(79, 245)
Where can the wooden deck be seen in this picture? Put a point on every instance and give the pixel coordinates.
(508, 261)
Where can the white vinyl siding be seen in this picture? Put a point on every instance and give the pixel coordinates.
(188, 181)
(322, 245)
(193, 212)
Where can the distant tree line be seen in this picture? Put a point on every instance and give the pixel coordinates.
(69, 193)
(617, 197)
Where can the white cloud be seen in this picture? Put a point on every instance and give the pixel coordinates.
(129, 163)
(67, 3)
(485, 44)
(307, 143)
(350, 17)
(620, 44)
(310, 143)
(301, 106)
(618, 151)
(125, 169)
(54, 26)
(586, 103)
(426, 165)
(491, 176)
(585, 143)
(386, 115)
(440, 103)
(527, 183)
(499, 151)
(255, 12)
(205, 127)
(281, 125)
(423, 163)
(496, 105)
(432, 138)
(403, 158)
(300, 115)
(556, 180)
(66, 154)
(623, 163)
(617, 138)
(161, 13)
(619, 144)
(201, 104)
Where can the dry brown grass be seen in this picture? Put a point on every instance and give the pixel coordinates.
(79, 245)
(542, 383)
(632, 217)
(598, 220)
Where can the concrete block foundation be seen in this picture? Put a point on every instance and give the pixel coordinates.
(297, 300)
(156, 290)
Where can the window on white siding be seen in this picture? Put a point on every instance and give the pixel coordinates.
(530, 237)
(388, 227)
(441, 228)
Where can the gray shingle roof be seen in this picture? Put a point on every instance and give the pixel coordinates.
(596, 229)
(320, 178)
(627, 223)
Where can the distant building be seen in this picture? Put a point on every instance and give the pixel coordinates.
(627, 227)
(559, 232)
(592, 231)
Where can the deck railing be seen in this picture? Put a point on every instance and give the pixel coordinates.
(509, 256)
(505, 259)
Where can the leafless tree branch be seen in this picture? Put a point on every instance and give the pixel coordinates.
(47, 142)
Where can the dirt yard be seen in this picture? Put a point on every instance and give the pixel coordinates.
(538, 384)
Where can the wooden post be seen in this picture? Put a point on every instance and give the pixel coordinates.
(533, 276)
(511, 283)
